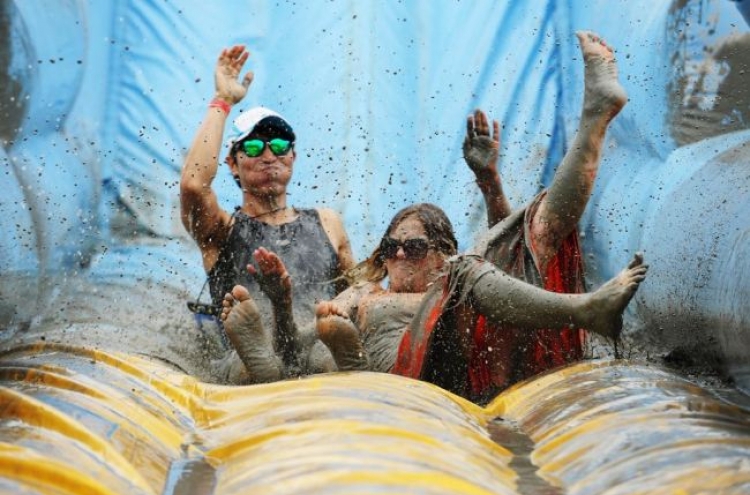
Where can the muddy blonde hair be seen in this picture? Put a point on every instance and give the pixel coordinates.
(439, 231)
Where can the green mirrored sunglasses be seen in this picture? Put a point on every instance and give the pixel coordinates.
(254, 147)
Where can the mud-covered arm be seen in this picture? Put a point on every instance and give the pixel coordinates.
(482, 153)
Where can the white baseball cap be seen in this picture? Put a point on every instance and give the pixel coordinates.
(260, 119)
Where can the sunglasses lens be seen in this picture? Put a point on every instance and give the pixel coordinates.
(279, 146)
(416, 248)
(253, 147)
(388, 248)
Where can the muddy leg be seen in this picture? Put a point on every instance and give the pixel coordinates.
(604, 96)
(573, 183)
(341, 336)
(245, 331)
(503, 299)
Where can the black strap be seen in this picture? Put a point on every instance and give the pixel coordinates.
(200, 308)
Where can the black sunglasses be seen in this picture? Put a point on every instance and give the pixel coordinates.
(414, 249)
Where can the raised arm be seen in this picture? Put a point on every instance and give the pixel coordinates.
(562, 207)
(481, 152)
(202, 216)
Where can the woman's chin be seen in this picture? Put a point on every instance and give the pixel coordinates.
(408, 286)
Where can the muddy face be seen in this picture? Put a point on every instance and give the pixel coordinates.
(265, 175)
(409, 273)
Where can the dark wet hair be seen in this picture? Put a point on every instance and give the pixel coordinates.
(439, 231)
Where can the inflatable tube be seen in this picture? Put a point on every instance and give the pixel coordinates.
(60, 195)
(19, 264)
(77, 420)
(53, 195)
(618, 428)
(16, 74)
(51, 66)
(120, 423)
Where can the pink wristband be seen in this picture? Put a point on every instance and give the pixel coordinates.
(219, 103)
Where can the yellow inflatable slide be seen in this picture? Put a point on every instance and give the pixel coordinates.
(75, 421)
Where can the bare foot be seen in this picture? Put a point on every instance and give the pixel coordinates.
(243, 327)
(341, 336)
(603, 96)
(329, 308)
(238, 295)
(608, 302)
(271, 275)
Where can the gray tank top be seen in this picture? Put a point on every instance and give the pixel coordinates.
(302, 245)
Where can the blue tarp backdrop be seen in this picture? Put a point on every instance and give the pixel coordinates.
(99, 101)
